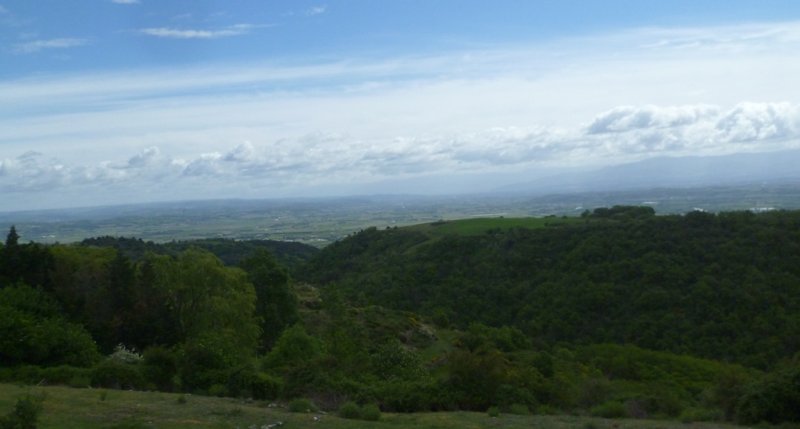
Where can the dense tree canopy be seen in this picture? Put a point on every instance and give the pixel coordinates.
(721, 286)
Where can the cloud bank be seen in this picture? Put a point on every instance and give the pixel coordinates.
(268, 129)
(625, 132)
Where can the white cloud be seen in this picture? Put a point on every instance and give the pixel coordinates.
(174, 33)
(125, 1)
(144, 158)
(329, 158)
(38, 45)
(316, 10)
(627, 118)
(272, 127)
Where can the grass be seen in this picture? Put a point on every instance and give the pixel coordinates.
(66, 407)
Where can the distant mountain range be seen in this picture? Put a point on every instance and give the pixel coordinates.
(671, 172)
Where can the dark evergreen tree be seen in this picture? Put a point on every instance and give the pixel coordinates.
(12, 238)
(276, 303)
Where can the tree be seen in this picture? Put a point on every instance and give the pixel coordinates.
(213, 305)
(33, 331)
(276, 303)
(29, 263)
(12, 238)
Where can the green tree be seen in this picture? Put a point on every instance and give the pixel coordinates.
(276, 303)
(213, 305)
(33, 331)
(12, 238)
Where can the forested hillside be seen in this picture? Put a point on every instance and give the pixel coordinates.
(723, 286)
(619, 313)
(231, 252)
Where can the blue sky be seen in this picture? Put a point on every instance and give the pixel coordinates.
(105, 102)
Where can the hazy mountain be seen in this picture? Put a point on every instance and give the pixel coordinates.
(691, 171)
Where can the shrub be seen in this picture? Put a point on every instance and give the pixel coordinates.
(123, 354)
(65, 375)
(293, 346)
(411, 396)
(301, 405)
(29, 374)
(265, 386)
(690, 415)
(350, 410)
(370, 412)
(775, 398)
(159, 367)
(43, 341)
(609, 410)
(246, 381)
(25, 413)
(493, 412)
(116, 375)
(546, 410)
(218, 390)
(519, 409)
(200, 367)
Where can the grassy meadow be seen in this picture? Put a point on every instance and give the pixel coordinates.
(65, 407)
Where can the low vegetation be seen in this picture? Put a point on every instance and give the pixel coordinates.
(69, 408)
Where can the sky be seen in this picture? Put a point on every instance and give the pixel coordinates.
(116, 101)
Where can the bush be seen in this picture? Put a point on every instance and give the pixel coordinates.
(25, 413)
(775, 398)
(609, 410)
(265, 386)
(301, 405)
(123, 354)
(76, 377)
(28, 374)
(42, 340)
(690, 415)
(293, 346)
(412, 396)
(493, 412)
(370, 412)
(160, 367)
(218, 390)
(200, 367)
(116, 375)
(246, 381)
(350, 410)
(519, 409)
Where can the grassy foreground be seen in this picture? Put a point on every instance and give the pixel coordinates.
(66, 407)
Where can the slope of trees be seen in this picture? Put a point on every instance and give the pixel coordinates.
(719, 286)
(230, 252)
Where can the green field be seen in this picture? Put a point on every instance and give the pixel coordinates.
(66, 407)
(478, 226)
